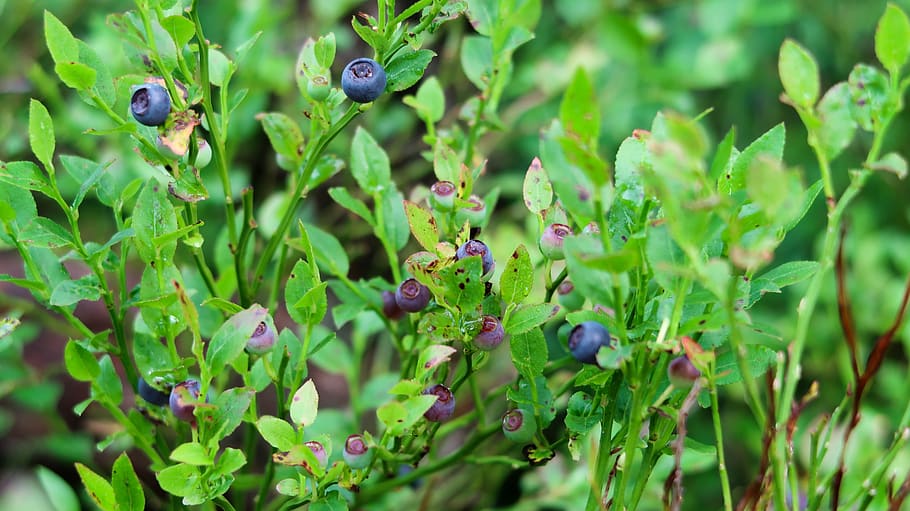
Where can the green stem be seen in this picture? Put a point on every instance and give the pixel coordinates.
(719, 438)
(739, 350)
(602, 463)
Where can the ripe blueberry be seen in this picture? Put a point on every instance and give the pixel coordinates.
(390, 308)
(551, 241)
(442, 195)
(357, 453)
(412, 296)
(472, 248)
(682, 373)
(363, 80)
(519, 426)
(183, 399)
(444, 406)
(150, 104)
(152, 395)
(474, 214)
(490, 335)
(586, 339)
(319, 452)
(262, 340)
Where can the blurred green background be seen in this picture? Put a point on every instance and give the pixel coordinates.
(645, 56)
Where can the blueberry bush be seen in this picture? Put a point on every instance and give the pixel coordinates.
(456, 254)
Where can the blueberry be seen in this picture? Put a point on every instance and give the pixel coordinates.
(363, 80)
(682, 373)
(490, 335)
(442, 195)
(150, 104)
(586, 339)
(319, 451)
(412, 296)
(390, 308)
(204, 156)
(551, 241)
(592, 229)
(472, 248)
(262, 340)
(152, 395)
(519, 426)
(568, 296)
(183, 399)
(444, 406)
(475, 214)
(357, 453)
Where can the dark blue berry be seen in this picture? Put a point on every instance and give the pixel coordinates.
(150, 104)
(152, 395)
(357, 453)
(586, 339)
(478, 248)
(412, 296)
(518, 425)
(262, 340)
(551, 241)
(390, 308)
(682, 373)
(363, 80)
(444, 406)
(490, 335)
(183, 399)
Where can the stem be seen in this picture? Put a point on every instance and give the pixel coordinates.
(719, 436)
(739, 350)
(602, 463)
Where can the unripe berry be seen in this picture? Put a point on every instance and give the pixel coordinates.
(204, 156)
(318, 87)
(568, 296)
(262, 340)
(592, 228)
(682, 373)
(491, 333)
(357, 453)
(475, 214)
(478, 248)
(551, 241)
(412, 296)
(319, 452)
(152, 395)
(183, 399)
(519, 426)
(444, 406)
(586, 339)
(390, 308)
(150, 104)
(363, 80)
(442, 195)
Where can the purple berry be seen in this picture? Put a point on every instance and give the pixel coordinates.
(682, 372)
(442, 195)
(262, 340)
(357, 453)
(363, 80)
(412, 296)
(152, 395)
(519, 426)
(444, 406)
(150, 104)
(586, 339)
(478, 248)
(491, 333)
(390, 308)
(319, 452)
(183, 399)
(551, 241)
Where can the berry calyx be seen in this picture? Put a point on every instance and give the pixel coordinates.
(682, 372)
(150, 104)
(444, 406)
(184, 398)
(472, 248)
(262, 340)
(491, 333)
(152, 395)
(586, 339)
(412, 296)
(551, 241)
(357, 453)
(363, 80)
(518, 425)
(442, 195)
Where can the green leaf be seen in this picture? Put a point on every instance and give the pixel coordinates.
(284, 135)
(192, 453)
(76, 75)
(331, 256)
(70, 292)
(591, 282)
(892, 39)
(305, 295)
(127, 488)
(779, 277)
(289, 487)
(537, 189)
(446, 163)
(758, 358)
(369, 163)
(394, 226)
(80, 362)
(41, 133)
(870, 94)
(101, 491)
(518, 277)
(578, 111)
(45, 233)
(85, 172)
(60, 41)
(431, 357)
(300, 456)
(406, 68)
(230, 408)
(180, 480)
(108, 384)
(344, 198)
(399, 416)
(220, 68)
(154, 216)
(60, 494)
(331, 502)
(324, 50)
(529, 352)
(423, 225)
(582, 413)
(798, 74)
(230, 461)
(277, 432)
(180, 29)
(232, 336)
(526, 317)
(837, 126)
(24, 175)
(430, 101)
(477, 60)
(770, 143)
(462, 284)
(305, 404)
